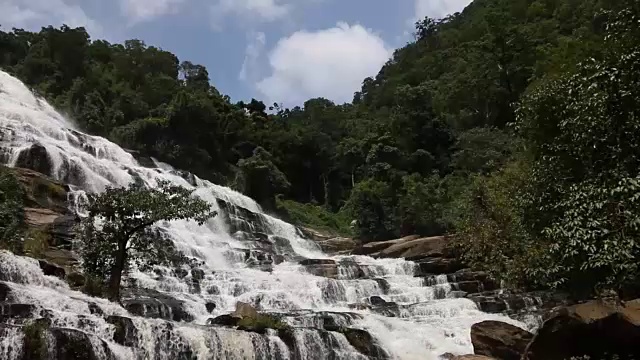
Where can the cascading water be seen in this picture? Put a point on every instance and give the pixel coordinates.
(254, 261)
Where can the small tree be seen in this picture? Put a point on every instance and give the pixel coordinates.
(11, 211)
(119, 229)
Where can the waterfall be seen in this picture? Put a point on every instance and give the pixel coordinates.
(247, 256)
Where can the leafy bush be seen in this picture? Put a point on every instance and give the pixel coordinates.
(491, 234)
(583, 130)
(314, 216)
(372, 205)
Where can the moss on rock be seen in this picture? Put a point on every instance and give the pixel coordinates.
(35, 339)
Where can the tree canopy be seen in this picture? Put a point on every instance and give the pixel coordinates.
(119, 229)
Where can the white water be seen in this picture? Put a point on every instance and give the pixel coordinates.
(436, 325)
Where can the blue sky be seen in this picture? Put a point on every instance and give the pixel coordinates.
(281, 51)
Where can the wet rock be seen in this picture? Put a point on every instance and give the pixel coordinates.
(384, 285)
(142, 160)
(42, 192)
(71, 344)
(35, 158)
(126, 333)
(51, 269)
(499, 340)
(62, 231)
(224, 320)
(438, 266)
(594, 329)
(377, 301)
(197, 275)
(5, 290)
(488, 283)
(472, 357)
(365, 343)
(95, 309)
(154, 304)
(312, 262)
(321, 267)
(468, 286)
(210, 307)
(180, 273)
(18, 311)
(514, 303)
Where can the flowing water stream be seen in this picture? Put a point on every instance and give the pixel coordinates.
(236, 267)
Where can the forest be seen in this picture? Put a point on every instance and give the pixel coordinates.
(513, 124)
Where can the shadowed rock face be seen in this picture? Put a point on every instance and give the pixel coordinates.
(499, 340)
(43, 342)
(593, 329)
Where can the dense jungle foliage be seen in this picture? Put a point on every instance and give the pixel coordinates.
(513, 124)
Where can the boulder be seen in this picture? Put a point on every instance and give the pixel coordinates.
(499, 340)
(377, 300)
(376, 247)
(338, 245)
(417, 248)
(244, 310)
(51, 269)
(35, 158)
(595, 329)
(210, 307)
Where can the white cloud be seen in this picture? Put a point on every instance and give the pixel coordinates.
(33, 14)
(329, 63)
(254, 10)
(255, 48)
(438, 8)
(143, 10)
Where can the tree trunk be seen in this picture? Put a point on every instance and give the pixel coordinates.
(327, 198)
(116, 272)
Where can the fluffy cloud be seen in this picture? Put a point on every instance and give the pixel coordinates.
(33, 14)
(329, 63)
(253, 10)
(438, 8)
(143, 10)
(255, 48)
